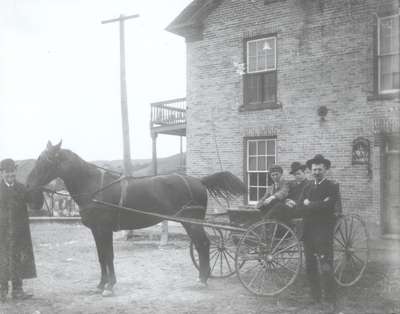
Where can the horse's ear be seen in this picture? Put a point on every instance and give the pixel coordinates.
(49, 145)
(58, 146)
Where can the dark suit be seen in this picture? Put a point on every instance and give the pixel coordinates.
(16, 253)
(283, 212)
(319, 221)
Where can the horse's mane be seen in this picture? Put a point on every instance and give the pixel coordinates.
(84, 165)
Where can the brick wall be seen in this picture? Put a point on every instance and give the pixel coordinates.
(325, 56)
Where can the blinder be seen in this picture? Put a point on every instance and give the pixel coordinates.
(51, 160)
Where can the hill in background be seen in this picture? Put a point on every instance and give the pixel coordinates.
(141, 167)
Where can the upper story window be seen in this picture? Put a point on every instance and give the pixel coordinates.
(260, 82)
(388, 54)
(261, 55)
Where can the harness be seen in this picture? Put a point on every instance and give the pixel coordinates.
(122, 200)
(103, 172)
(186, 184)
(189, 205)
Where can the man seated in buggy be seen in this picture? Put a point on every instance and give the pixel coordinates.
(275, 194)
(291, 207)
(286, 199)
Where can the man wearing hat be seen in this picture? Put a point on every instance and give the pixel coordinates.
(318, 208)
(289, 208)
(278, 192)
(16, 253)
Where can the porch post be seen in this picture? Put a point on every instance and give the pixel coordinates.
(181, 163)
(154, 154)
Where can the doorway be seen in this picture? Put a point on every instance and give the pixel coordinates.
(391, 187)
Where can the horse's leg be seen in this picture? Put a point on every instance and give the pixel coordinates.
(107, 239)
(100, 254)
(202, 245)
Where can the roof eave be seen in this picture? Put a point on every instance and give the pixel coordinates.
(190, 32)
(191, 18)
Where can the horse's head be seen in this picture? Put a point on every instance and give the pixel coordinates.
(46, 169)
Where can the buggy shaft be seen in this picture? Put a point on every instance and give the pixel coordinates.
(172, 218)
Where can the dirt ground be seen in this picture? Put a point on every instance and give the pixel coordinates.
(153, 280)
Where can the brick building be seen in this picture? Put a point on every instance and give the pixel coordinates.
(274, 81)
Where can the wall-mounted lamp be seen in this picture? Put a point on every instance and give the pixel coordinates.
(322, 112)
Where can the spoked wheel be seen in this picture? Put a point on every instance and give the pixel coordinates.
(351, 251)
(268, 258)
(222, 253)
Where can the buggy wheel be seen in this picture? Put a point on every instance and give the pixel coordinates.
(268, 258)
(222, 253)
(351, 251)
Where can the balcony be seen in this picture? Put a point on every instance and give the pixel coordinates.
(169, 117)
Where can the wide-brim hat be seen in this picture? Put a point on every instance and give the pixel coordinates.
(296, 166)
(319, 159)
(7, 165)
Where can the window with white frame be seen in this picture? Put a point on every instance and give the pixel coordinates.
(260, 79)
(388, 54)
(261, 55)
(260, 156)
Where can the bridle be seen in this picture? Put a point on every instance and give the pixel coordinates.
(55, 164)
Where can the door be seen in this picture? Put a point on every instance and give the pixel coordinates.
(391, 192)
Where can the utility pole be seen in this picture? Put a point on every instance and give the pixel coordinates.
(124, 103)
(124, 99)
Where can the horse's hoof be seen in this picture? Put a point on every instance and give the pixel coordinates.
(107, 293)
(202, 282)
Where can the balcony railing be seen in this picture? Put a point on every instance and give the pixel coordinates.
(168, 113)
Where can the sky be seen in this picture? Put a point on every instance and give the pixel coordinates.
(60, 75)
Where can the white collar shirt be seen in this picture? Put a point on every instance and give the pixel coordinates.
(10, 185)
(318, 183)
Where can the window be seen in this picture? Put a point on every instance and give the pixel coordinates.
(260, 78)
(388, 54)
(261, 155)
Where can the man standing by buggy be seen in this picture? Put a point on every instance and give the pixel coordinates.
(16, 253)
(318, 208)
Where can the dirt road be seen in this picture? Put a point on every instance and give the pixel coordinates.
(153, 280)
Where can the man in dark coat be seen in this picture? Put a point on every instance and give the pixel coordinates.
(318, 209)
(16, 253)
(289, 208)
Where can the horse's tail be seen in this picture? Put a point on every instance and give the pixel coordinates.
(223, 184)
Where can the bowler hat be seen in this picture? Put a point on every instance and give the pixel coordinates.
(319, 159)
(7, 165)
(276, 168)
(296, 166)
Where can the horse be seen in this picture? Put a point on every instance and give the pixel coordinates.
(174, 195)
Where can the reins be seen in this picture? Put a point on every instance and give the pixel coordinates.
(218, 156)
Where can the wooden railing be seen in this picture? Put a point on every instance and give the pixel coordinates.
(169, 112)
